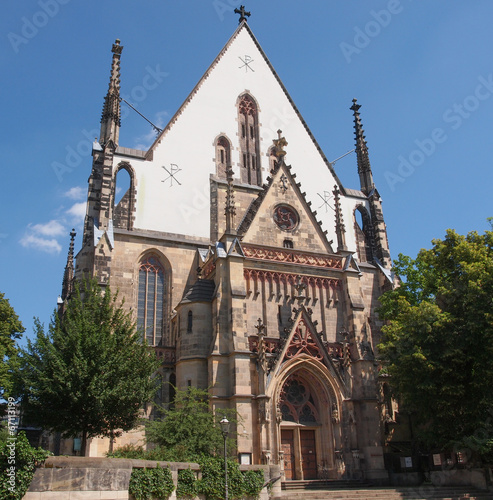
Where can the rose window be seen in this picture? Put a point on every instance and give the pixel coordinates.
(286, 217)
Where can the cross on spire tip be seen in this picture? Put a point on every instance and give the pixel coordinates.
(243, 14)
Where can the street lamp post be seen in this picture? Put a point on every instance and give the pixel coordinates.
(225, 430)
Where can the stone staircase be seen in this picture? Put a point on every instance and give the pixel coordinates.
(351, 490)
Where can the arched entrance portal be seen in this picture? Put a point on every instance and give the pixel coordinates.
(306, 409)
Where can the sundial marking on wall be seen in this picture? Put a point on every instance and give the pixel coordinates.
(174, 169)
(327, 196)
(246, 63)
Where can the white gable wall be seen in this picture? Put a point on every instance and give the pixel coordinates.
(181, 204)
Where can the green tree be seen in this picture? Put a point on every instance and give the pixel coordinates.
(90, 374)
(190, 430)
(438, 341)
(11, 330)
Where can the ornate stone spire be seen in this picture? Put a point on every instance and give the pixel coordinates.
(68, 275)
(243, 14)
(110, 118)
(340, 228)
(364, 167)
(230, 210)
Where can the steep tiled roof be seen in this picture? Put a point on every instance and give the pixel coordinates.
(201, 291)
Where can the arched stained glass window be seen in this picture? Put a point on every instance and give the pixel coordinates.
(151, 300)
(249, 140)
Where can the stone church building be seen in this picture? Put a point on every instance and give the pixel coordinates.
(233, 277)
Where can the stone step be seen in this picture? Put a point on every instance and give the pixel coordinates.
(317, 484)
(390, 493)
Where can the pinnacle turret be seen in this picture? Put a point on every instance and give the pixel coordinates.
(340, 227)
(110, 118)
(230, 210)
(68, 275)
(364, 167)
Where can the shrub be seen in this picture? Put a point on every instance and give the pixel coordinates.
(128, 451)
(253, 481)
(147, 484)
(186, 484)
(239, 484)
(160, 454)
(18, 453)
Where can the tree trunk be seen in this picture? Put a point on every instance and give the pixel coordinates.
(112, 442)
(83, 444)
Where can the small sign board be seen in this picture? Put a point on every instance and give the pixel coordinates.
(245, 458)
(437, 459)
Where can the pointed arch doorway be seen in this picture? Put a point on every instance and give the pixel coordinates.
(306, 434)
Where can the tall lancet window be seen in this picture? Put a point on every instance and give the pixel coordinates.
(123, 197)
(151, 300)
(249, 140)
(223, 158)
(364, 234)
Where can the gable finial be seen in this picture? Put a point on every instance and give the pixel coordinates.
(111, 116)
(279, 144)
(300, 288)
(243, 14)
(260, 327)
(364, 167)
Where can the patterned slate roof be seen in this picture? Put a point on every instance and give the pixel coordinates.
(200, 291)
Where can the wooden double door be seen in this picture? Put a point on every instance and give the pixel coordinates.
(300, 454)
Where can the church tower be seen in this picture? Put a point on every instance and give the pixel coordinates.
(242, 288)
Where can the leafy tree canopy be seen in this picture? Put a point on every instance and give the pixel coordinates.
(190, 430)
(90, 374)
(10, 331)
(438, 342)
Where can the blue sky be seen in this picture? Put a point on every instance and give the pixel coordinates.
(422, 71)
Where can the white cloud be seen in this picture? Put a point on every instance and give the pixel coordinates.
(76, 193)
(43, 244)
(52, 228)
(43, 236)
(78, 211)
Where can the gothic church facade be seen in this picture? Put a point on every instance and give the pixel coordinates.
(235, 280)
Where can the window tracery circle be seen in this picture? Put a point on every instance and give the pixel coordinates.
(286, 217)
